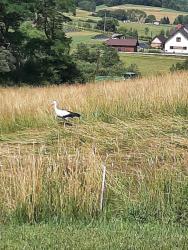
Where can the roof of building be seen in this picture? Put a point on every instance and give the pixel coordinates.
(161, 38)
(144, 45)
(181, 30)
(132, 42)
(116, 35)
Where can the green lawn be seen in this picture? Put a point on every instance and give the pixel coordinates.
(150, 64)
(83, 37)
(113, 235)
(140, 27)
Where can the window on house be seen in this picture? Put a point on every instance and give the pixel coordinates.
(178, 39)
(184, 48)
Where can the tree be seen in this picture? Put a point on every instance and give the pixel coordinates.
(167, 33)
(97, 61)
(180, 66)
(107, 24)
(37, 59)
(179, 19)
(150, 19)
(87, 5)
(146, 31)
(128, 33)
(162, 33)
(5, 61)
(165, 20)
(134, 68)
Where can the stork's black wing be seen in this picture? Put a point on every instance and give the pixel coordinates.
(72, 115)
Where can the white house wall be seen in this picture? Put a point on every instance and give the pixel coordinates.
(178, 46)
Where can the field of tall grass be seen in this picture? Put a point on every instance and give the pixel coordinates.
(137, 129)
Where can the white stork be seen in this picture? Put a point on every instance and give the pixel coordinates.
(62, 113)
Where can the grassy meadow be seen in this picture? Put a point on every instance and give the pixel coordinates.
(151, 64)
(154, 30)
(51, 173)
(83, 37)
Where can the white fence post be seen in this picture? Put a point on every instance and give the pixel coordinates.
(103, 187)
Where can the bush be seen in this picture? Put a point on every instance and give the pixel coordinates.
(154, 51)
(180, 66)
(94, 60)
(109, 24)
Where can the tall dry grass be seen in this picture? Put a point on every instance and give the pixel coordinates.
(30, 107)
(136, 128)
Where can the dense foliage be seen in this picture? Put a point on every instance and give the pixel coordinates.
(133, 15)
(129, 33)
(39, 54)
(107, 24)
(181, 19)
(89, 5)
(165, 20)
(180, 66)
(94, 61)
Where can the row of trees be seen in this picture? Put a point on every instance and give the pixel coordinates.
(133, 15)
(165, 20)
(89, 5)
(172, 4)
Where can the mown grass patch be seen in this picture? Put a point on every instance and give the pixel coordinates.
(151, 64)
(113, 235)
(83, 37)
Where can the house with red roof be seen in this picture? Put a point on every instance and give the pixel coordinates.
(123, 45)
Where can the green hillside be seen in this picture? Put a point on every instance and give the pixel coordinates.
(171, 4)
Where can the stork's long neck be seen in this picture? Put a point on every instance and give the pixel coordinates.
(55, 107)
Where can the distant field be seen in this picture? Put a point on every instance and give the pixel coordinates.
(140, 27)
(158, 12)
(84, 15)
(83, 37)
(153, 29)
(150, 64)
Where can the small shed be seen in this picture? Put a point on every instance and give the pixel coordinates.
(124, 45)
(158, 42)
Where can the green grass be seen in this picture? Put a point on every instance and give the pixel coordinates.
(151, 64)
(83, 37)
(115, 235)
(51, 174)
(140, 27)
